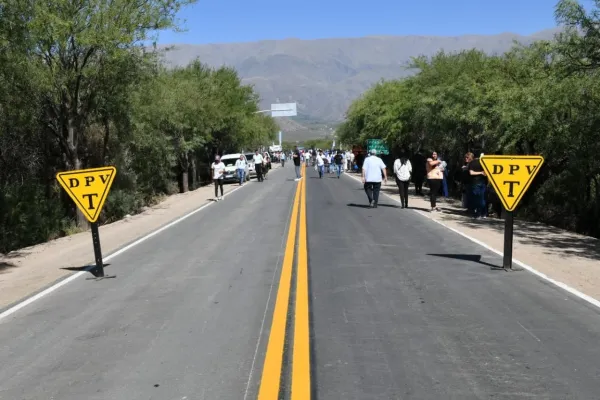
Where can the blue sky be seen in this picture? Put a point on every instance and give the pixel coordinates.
(219, 21)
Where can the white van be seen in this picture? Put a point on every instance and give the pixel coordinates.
(230, 170)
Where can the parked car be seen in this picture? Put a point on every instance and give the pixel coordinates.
(250, 162)
(230, 170)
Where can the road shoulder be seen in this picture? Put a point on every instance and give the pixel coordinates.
(563, 256)
(29, 270)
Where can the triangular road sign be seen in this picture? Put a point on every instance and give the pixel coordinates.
(511, 176)
(88, 188)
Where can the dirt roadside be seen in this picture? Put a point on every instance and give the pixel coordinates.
(28, 270)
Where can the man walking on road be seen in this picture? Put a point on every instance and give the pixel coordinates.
(339, 160)
(218, 174)
(320, 164)
(297, 161)
(240, 166)
(258, 166)
(372, 170)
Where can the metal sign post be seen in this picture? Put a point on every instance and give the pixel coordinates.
(89, 188)
(510, 176)
(508, 240)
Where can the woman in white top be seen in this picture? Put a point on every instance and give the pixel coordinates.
(403, 171)
(218, 174)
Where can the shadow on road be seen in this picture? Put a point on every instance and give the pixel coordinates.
(86, 268)
(469, 257)
(5, 266)
(554, 240)
(367, 206)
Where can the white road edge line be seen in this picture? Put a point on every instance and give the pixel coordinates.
(71, 278)
(529, 268)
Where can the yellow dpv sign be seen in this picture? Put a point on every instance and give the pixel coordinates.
(88, 188)
(511, 176)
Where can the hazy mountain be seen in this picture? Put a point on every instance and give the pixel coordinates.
(324, 76)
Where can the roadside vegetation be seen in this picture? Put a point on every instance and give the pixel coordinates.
(538, 99)
(81, 86)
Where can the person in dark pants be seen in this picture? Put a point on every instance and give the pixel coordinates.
(218, 175)
(419, 171)
(435, 175)
(403, 170)
(258, 166)
(338, 160)
(372, 170)
(465, 179)
(478, 188)
(297, 161)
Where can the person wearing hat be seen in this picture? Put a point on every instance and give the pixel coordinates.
(372, 170)
(218, 174)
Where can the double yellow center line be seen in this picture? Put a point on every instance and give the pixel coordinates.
(273, 366)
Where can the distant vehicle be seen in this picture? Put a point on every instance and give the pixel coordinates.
(250, 162)
(230, 170)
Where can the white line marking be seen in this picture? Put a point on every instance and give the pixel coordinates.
(545, 277)
(71, 278)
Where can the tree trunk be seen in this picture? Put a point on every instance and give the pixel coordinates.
(185, 169)
(184, 181)
(194, 174)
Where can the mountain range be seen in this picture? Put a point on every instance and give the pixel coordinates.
(324, 76)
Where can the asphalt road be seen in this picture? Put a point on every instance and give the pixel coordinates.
(181, 321)
(399, 308)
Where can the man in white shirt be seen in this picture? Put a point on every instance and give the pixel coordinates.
(372, 170)
(258, 166)
(218, 175)
(320, 164)
(240, 166)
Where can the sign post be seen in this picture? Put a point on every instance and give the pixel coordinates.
(510, 176)
(89, 188)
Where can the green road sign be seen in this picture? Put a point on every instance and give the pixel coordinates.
(378, 145)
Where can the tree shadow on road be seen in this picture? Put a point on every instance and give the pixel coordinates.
(469, 257)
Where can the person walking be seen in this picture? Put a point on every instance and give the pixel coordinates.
(320, 164)
(403, 171)
(218, 175)
(266, 164)
(372, 170)
(434, 177)
(338, 160)
(478, 185)
(240, 167)
(258, 166)
(282, 159)
(297, 160)
(465, 180)
(419, 172)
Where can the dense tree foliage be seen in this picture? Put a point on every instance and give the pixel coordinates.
(79, 89)
(538, 99)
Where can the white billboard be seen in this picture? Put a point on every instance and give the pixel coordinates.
(284, 110)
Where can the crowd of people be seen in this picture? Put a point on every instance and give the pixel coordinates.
(477, 194)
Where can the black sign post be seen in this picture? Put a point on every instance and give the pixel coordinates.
(508, 240)
(98, 271)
